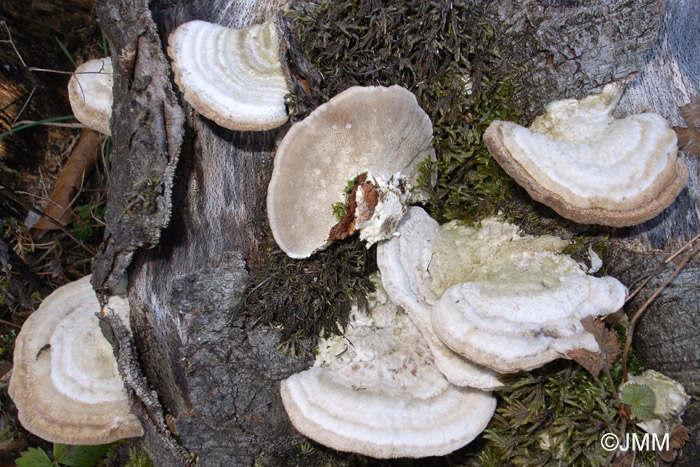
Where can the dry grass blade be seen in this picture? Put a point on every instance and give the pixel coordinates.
(69, 185)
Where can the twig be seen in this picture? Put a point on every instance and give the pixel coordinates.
(9, 323)
(38, 122)
(12, 43)
(26, 103)
(25, 270)
(11, 195)
(638, 314)
(48, 70)
(661, 267)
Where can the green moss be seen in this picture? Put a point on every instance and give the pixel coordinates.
(307, 295)
(555, 415)
(436, 49)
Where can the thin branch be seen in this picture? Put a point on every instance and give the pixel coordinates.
(661, 267)
(26, 103)
(9, 323)
(638, 314)
(38, 122)
(12, 43)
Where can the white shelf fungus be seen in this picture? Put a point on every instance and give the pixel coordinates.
(404, 262)
(376, 391)
(513, 326)
(65, 381)
(376, 129)
(231, 76)
(589, 167)
(496, 297)
(90, 94)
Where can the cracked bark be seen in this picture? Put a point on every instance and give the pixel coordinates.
(186, 196)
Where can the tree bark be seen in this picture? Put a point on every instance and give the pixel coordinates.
(187, 195)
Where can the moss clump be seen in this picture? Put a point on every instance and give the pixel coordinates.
(307, 295)
(443, 52)
(556, 415)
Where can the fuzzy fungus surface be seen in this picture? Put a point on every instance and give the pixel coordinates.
(590, 167)
(90, 94)
(231, 76)
(375, 390)
(65, 381)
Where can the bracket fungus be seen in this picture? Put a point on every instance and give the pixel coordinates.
(65, 381)
(404, 261)
(231, 76)
(375, 391)
(590, 167)
(496, 298)
(90, 94)
(363, 129)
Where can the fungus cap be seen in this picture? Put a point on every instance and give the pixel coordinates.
(375, 391)
(520, 327)
(90, 94)
(589, 167)
(404, 263)
(478, 288)
(65, 381)
(376, 129)
(231, 76)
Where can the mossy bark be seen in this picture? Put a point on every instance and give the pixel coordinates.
(187, 200)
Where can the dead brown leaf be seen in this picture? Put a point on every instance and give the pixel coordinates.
(69, 184)
(688, 140)
(610, 347)
(679, 435)
(691, 112)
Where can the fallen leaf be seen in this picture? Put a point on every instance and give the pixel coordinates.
(79, 164)
(688, 140)
(679, 435)
(691, 112)
(610, 347)
(594, 362)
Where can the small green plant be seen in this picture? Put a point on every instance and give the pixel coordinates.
(641, 399)
(73, 456)
(339, 209)
(138, 458)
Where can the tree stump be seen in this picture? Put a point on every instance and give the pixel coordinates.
(187, 197)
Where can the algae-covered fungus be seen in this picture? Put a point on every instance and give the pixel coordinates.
(498, 298)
